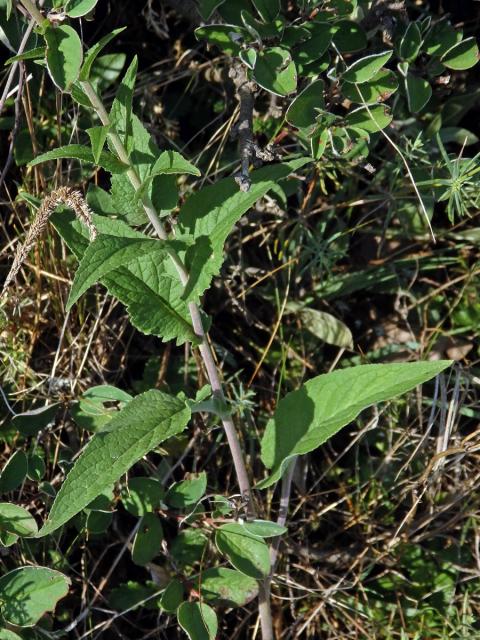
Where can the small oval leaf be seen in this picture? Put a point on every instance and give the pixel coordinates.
(199, 621)
(64, 55)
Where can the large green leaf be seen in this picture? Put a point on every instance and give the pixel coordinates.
(64, 55)
(142, 425)
(307, 417)
(107, 253)
(81, 152)
(210, 214)
(27, 593)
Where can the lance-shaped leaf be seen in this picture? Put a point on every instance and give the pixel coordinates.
(29, 592)
(142, 425)
(210, 214)
(107, 253)
(105, 160)
(307, 417)
(94, 51)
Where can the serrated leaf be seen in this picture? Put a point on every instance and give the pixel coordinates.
(370, 119)
(306, 418)
(64, 55)
(15, 519)
(148, 541)
(246, 552)
(303, 111)
(364, 69)
(142, 425)
(209, 215)
(461, 56)
(94, 51)
(226, 587)
(80, 152)
(106, 254)
(418, 92)
(120, 115)
(168, 163)
(275, 71)
(14, 472)
(187, 492)
(79, 8)
(29, 592)
(198, 620)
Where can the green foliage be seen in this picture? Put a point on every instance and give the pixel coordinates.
(28, 592)
(142, 425)
(246, 551)
(64, 55)
(14, 472)
(198, 620)
(306, 418)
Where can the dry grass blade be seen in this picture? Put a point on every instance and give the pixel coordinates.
(64, 195)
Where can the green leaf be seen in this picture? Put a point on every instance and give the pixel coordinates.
(92, 53)
(319, 36)
(418, 92)
(17, 520)
(366, 68)
(172, 597)
(79, 8)
(246, 552)
(268, 10)
(187, 492)
(207, 7)
(131, 595)
(29, 423)
(81, 152)
(121, 111)
(173, 162)
(224, 36)
(248, 57)
(32, 54)
(306, 418)
(142, 495)
(36, 467)
(98, 136)
(95, 407)
(64, 55)
(463, 55)
(370, 119)
(142, 425)
(148, 541)
(326, 327)
(14, 472)
(378, 89)
(226, 587)
(198, 620)
(349, 37)
(6, 634)
(27, 593)
(410, 42)
(105, 254)
(188, 547)
(209, 215)
(303, 111)
(441, 37)
(264, 528)
(275, 71)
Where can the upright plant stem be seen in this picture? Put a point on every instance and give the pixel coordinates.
(205, 349)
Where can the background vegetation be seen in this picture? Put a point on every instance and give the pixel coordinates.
(384, 519)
